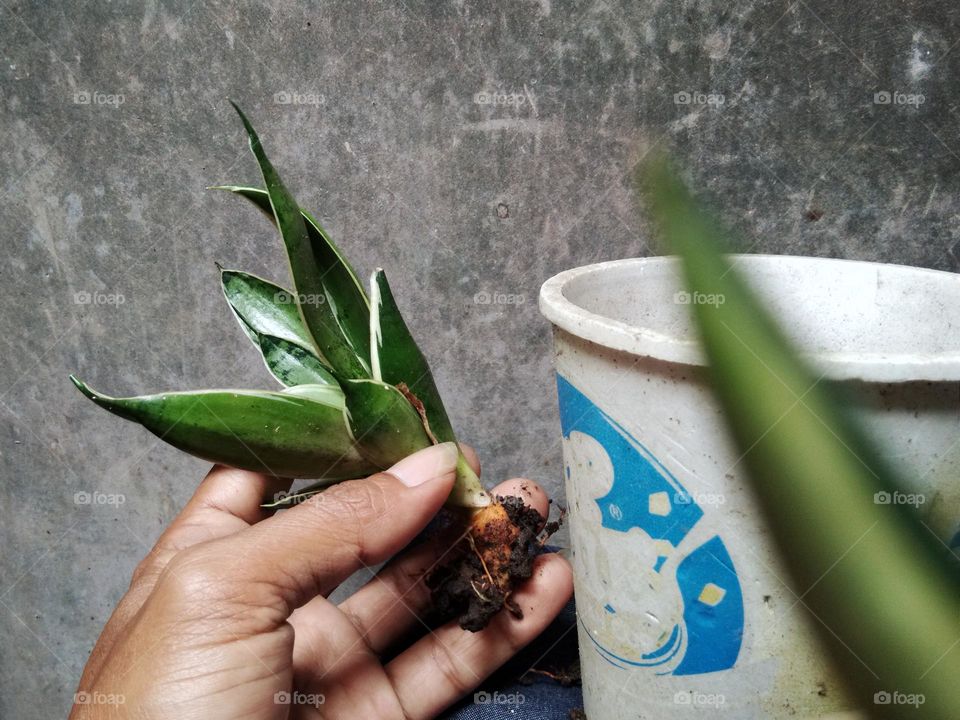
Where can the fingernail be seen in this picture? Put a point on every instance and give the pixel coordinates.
(428, 464)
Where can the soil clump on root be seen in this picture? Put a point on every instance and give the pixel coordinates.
(487, 562)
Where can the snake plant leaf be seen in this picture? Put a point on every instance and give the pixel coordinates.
(298, 433)
(887, 603)
(268, 315)
(293, 365)
(385, 426)
(342, 288)
(395, 357)
(320, 310)
(263, 308)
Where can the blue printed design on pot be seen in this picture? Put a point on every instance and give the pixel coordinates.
(638, 527)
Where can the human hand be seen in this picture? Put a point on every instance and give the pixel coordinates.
(227, 617)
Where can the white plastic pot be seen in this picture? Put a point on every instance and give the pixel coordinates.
(684, 607)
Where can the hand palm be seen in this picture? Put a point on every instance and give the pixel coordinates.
(228, 617)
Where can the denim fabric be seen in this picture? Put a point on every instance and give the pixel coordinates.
(538, 697)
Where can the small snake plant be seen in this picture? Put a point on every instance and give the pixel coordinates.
(358, 393)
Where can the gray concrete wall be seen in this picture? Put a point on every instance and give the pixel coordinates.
(469, 147)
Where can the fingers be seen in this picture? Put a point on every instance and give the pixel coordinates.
(391, 603)
(226, 501)
(532, 494)
(280, 563)
(448, 663)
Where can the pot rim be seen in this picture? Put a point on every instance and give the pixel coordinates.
(649, 343)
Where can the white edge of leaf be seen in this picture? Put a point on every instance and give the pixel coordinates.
(376, 339)
(330, 395)
(309, 219)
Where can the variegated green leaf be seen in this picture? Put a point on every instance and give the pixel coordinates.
(886, 602)
(300, 432)
(342, 289)
(293, 365)
(263, 308)
(396, 359)
(320, 311)
(385, 426)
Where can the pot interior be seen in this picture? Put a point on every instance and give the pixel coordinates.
(857, 319)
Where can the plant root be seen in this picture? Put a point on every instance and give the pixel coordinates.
(485, 564)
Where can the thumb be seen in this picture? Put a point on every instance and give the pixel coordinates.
(286, 560)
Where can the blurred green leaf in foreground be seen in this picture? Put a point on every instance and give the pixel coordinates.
(885, 599)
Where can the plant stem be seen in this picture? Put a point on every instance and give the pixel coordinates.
(468, 491)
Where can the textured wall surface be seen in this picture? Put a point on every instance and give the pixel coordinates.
(471, 148)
